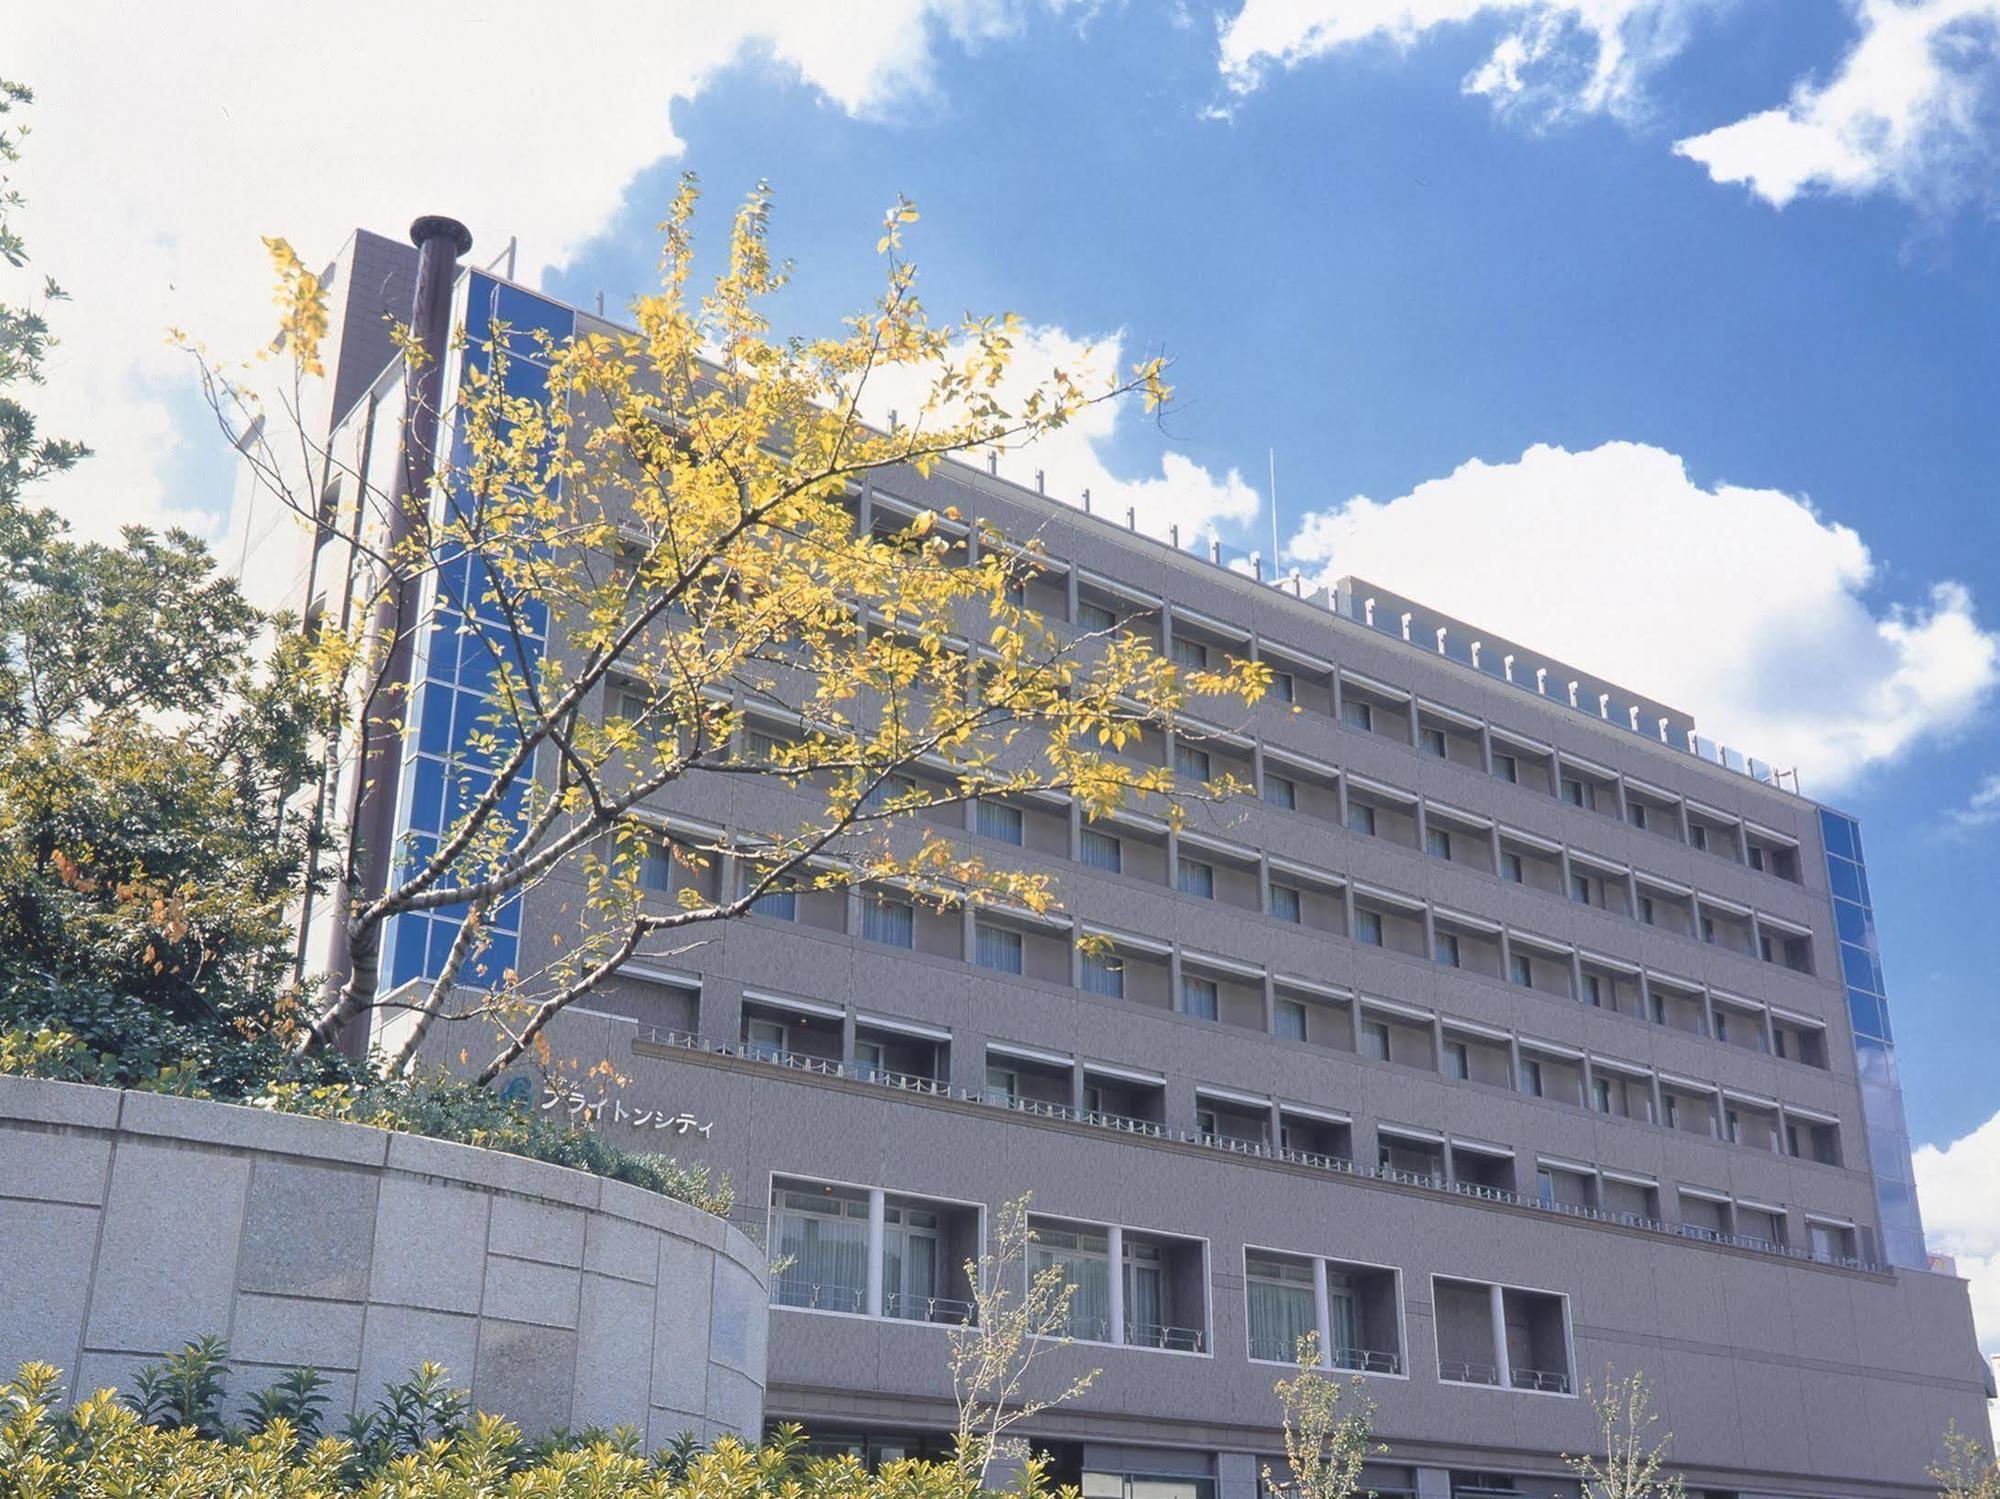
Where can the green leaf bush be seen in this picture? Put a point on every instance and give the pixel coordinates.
(420, 1441)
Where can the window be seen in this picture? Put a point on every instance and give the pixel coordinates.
(1778, 1042)
(1003, 1084)
(1670, 1106)
(1732, 1127)
(997, 820)
(1103, 973)
(1646, 910)
(823, 1239)
(1722, 1025)
(888, 921)
(1575, 792)
(910, 1261)
(1756, 857)
(1095, 616)
(1361, 818)
(1291, 1020)
(1659, 1009)
(1375, 1040)
(1600, 1094)
(1084, 1260)
(1190, 653)
(1447, 949)
(1579, 889)
(1506, 768)
(1438, 843)
(1457, 1061)
(1593, 990)
(1280, 1299)
(1510, 868)
(1102, 851)
(1368, 927)
(656, 867)
(760, 747)
(1282, 687)
(1280, 791)
(997, 947)
(1195, 878)
(778, 904)
(1198, 997)
(1698, 836)
(891, 788)
(764, 1039)
(1356, 712)
(1531, 1077)
(1638, 813)
(1434, 742)
(1521, 969)
(1287, 904)
(1190, 762)
(1708, 929)
(1764, 947)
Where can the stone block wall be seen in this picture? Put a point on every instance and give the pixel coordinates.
(132, 1223)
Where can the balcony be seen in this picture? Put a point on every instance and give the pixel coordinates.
(1351, 1309)
(868, 1252)
(1501, 1337)
(1470, 1183)
(1126, 1287)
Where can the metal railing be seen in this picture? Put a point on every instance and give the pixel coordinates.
(908, 1308)
(1549, 1381)
(817, 1296)
(1456, 1372)
(1159, 1335)
(1149, 1129)
(1367, 1361)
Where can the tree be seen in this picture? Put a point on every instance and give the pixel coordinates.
(1325, 1445)
(993, 1355)
(145, 758)
(1967, 1470)
(1633, 1464)
(652, 560)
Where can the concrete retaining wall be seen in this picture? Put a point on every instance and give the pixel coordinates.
(132, 1223)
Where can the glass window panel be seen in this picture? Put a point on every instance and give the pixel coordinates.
(1199, 997)
(999, 948)
(1280, 791)
(1291, 1020)
(1102, 851)
(998, 820)
(891, 922)
(1855, 964)
(1104, 973)
(1286, 903)
(1197, 878)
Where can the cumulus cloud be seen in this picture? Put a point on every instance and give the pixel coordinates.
(1742, 606)
(1073, 458)
(168, 139)
(1961, 1206)
(1909, 110)
(1555, 56)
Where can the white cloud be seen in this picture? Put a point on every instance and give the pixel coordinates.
(1909, 110)
(1554, 56)
(1073, 457)
(1981, 810)
(1959, 1189)
(168, 139)
(1741, 606)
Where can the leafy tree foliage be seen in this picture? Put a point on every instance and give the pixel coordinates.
(149, 734)
(677, 501)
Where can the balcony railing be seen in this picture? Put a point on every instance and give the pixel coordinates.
(917, 1308)
(1148, 1129)
(1159, 1335)
(1367, 1361)
(1456, 1372)
(1549, 1381)
(818, 1296)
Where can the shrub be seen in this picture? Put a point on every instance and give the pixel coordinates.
(420, 1442)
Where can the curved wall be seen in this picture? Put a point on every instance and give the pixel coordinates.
(132, 1223)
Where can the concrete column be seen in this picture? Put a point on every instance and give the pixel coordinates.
(1340, 796)
(1264, 883)
(1270, 994)
(1075, 830)
(1433, 1483)
(1497, 1304)
(1589, 1084)
(1069, 580)
(875, 1216)
(1115, 1242)
(1235, 1476)
(1514, 1059)
(1624, 806)
(1075, 952)
(864, 508)
(1562, 859)
(1576, 976)
(847, 1035)
(1322, 1313)
(1659, 1107)
(1707, 1011)
(1423, 828)
(1347, 906)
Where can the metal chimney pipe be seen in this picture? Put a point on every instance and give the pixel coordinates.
(440, 241)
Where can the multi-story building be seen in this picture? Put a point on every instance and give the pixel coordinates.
(1511, 1034)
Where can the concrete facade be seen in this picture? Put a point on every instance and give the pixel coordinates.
(134, 1223)
(1585, 1063)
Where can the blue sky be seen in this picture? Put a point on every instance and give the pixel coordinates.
(1374, 272)
(1659, 333)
